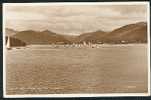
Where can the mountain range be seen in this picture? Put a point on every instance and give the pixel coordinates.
(132, 33)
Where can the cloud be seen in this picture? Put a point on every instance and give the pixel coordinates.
(24, 16)
(73, 19)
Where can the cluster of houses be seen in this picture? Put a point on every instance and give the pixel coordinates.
(76, 45)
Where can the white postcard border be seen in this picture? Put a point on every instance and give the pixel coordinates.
(76, 95)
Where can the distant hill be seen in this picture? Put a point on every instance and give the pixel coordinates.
(44, 37)
(93, 37)
(132, 33)
(71, 38)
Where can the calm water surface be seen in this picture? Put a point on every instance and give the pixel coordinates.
(108, 69)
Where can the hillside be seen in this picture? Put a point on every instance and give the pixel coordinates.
(93, 37)
(71, 38)
(44, 37)
(132, 33)
(15, 42)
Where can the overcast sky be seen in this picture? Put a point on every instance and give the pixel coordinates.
(73, 19)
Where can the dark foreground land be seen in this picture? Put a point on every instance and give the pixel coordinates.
(108, 69)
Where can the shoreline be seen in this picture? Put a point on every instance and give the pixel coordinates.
(78, 46)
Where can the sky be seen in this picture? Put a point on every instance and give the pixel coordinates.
(72, 19)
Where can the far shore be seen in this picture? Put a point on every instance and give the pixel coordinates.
(75, 45)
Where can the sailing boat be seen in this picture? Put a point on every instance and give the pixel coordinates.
(8, 43)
